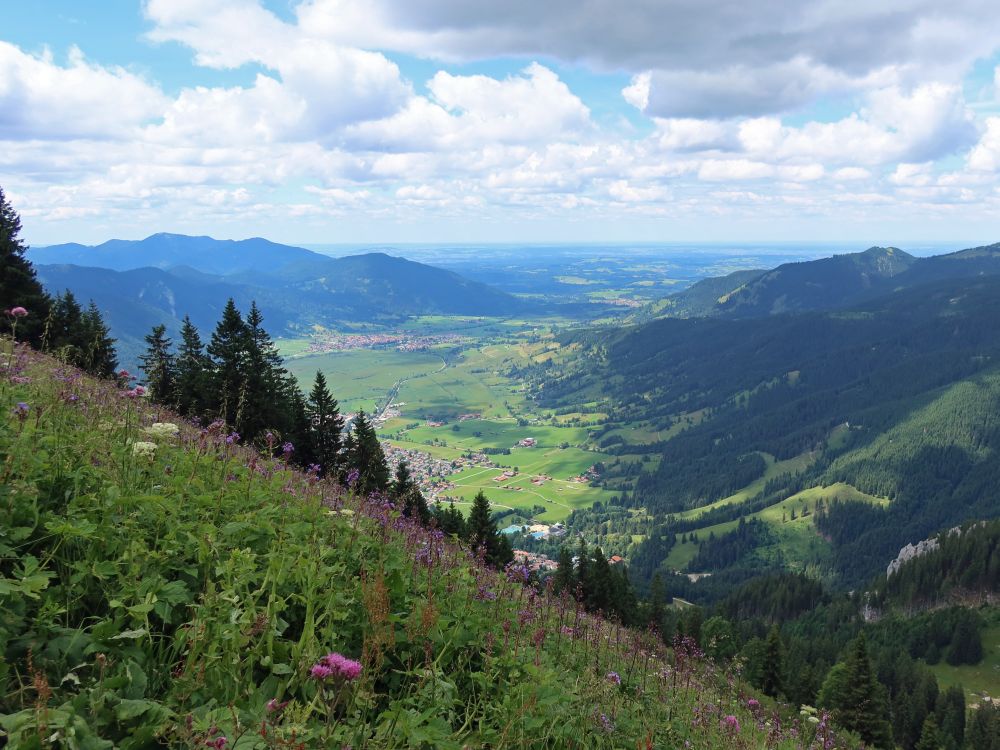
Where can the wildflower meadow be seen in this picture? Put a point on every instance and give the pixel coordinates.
(164, 585)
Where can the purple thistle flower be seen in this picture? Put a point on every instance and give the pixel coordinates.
(17, 312)
(485, 595)
(518, 573)
(614, 678)
(287, 449)
(341, 666)
(731, 724)
(352, 477)
(21, 411)
(606, 723)
(234, 437)
(320, 671)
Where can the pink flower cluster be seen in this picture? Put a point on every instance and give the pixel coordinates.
(335, 665)
(17, 312)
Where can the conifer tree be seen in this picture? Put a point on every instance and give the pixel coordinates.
(582, 569)
(599, 583)
(856, 698)
(365, 454)
(268, 393)
(192, 373)
(983, 732)
(624, 601)
(325, 427)
(564, 578)
(158, 364)
(930, 736)
(64, 327)
(657, 601)
(407, 495)
(228, 351)
(449, 519)
(299, 429)
(950, 712)
(98, 348)
(771, 679)
(19, 286)
(481, 533)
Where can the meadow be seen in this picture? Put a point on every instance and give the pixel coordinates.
(979, 680)
(361, 378)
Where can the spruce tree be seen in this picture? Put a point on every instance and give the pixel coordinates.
(19, 286)
(449, 519)
(326, 427)
(599, 584)
(950, 713)
(862, 702)
(268, 393)
(192, 373)
(564, 578)
(481, 533)
(158, 364)
(229, 351)
(98, 356)
(983, 732)
(771, 680)
(583, 567)
(407, 495)
(966, 642)
(64, 328)
(930, 736)
(657, 601)
(367, 457)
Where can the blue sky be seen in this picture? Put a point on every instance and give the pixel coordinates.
(370, 121)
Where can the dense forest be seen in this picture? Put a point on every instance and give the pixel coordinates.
(896, 398)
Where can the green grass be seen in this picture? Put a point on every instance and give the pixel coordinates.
(360, 378)
(292, 347)
(979, 679)
(774, 468)
(800, 545)
(163, 597)
(442, 384)
(558, 495)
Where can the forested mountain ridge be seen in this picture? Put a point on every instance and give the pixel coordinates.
(823, 284)
(160, 279)
(895, 398)
(165, 250)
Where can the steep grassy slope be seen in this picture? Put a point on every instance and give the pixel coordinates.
(172, 588)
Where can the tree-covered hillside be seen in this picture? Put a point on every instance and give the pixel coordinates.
(894, 399)
(824, 284)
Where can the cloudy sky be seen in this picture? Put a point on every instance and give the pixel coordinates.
(324, 121)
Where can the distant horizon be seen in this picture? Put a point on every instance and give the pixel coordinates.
(335, 249)
(385, 121)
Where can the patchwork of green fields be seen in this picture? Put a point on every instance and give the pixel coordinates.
(444, 383)
(361, 378)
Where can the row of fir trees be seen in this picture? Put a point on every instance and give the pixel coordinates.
(60, 325)
(238, 377)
